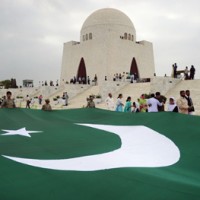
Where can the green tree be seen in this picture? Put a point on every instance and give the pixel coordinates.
(9, 83)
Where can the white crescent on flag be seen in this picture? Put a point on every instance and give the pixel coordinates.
(140, 147)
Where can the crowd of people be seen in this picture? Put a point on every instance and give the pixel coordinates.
(9, 102)
(133, 78)
(83, 80)
(146, 103)
(153, 103)
(188, 73)
(45, 83)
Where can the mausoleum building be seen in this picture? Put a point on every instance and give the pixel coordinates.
(108, 45)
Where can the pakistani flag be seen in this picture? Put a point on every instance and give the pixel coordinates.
(92, 154)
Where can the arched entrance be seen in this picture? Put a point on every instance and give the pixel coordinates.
(81, 74)
(134, 69)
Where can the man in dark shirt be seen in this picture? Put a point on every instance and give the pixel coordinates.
(190, 102)
(161, 99)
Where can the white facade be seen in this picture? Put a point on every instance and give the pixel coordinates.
(108, 46)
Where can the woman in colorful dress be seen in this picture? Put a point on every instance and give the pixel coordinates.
(119, 104)
(143, 103)
(128, 105)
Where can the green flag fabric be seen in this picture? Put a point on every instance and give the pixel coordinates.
(93, 154)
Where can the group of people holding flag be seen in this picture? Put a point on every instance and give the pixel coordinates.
(152, 103)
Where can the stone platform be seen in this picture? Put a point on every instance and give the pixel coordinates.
(78, 93)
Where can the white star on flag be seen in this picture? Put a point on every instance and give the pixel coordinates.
(21, 131)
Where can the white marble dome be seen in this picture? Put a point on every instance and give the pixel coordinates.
(108, 19)
(107, 46)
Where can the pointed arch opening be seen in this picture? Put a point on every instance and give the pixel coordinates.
(134, 69)
(81, 74)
